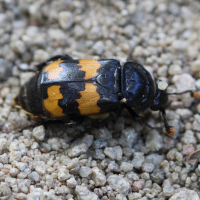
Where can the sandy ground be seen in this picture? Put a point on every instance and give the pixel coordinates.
(120, 160)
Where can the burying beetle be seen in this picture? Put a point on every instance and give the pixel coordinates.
(67, 89)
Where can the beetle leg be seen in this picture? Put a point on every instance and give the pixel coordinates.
(24, 70)
(33, 125)
(74, 122)
(115, 114)
(170, 129)
(54, 58)
(137, 118)
(41, 65)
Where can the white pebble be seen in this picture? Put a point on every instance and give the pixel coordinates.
(84, 194)
(65, 19)
(98, 177)
(195, 66)
(40, 167)
(162, 85)
(63, 173)
(175, 70)
(39, 132)
(126, 167)
(72, 183)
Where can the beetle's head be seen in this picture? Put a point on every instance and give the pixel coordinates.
(160, 98)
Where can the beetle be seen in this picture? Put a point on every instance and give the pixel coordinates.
(67, 89)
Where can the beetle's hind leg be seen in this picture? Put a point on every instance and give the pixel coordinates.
(52, 59)
(24, 70)
(75, 121)
(41, 65)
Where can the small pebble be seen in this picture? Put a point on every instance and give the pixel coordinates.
(21, 166)
(98, 177)
(128, 137)
(138, 160)
(5, 70)
(4, 158)
(85, 194)
(168, 191)
(148, 167)
(126, 167)
(39, 133)
(195, 66)
(73, 163)
(85, 172)
(40, 167)
(77, 150)
(145, 176)
(119, 184)
(188, 137)
(175, 69)
(98, 47)
(53, 142)
(65, 19)
(98, 144)
(114, 152)
(153, 141)
(158, 176)
(14, 172)
(40, 55)
(63, 173)
(34, 176)
(72, 183)
(138, 185)
(49, 181)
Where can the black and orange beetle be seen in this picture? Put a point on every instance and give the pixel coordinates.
(67, 89)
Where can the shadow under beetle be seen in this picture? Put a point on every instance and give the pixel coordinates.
(67, 89)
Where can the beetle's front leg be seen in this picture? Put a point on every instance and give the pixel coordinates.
(115, 114)
(136, 117)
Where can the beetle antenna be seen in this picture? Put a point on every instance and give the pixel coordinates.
(170, 129)
(195, 94)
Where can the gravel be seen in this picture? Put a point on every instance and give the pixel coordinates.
(184, 194)
(120, 160)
